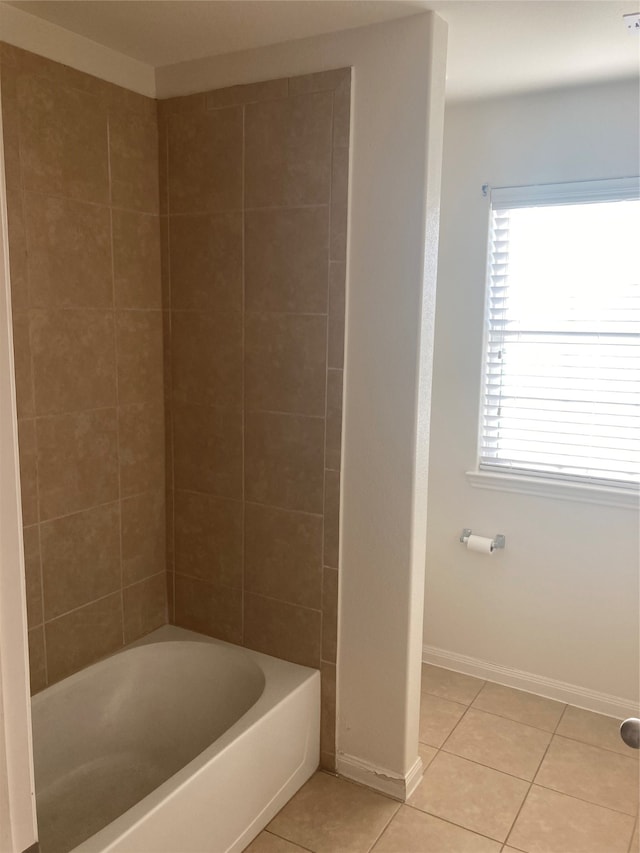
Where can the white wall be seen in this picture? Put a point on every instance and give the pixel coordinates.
(562, 601)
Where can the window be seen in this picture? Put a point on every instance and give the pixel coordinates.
(561, 395)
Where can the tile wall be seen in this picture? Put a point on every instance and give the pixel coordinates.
(81, 160)
(253, 195)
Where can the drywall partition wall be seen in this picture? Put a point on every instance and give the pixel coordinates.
(84, 249)
(254, 192)
(561, 602)
(397, 102)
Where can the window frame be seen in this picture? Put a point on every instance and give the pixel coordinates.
(519, 481)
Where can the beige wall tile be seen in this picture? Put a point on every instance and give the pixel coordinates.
(206, 355)
(37, 662)
(82, 636)
(285, 363)
(328, 708)
(331, 518)
(330, 814)
(283, 630)
(80, 558)
(73, 360)
(269, 90)
(22, 365)
(136, 260)
(205, 161)
(63, 141)
(145, 607)
(77, 461)
(335, 355)
(212, 610)
(550, 821)
(329, 614)
(340, 176)
(283, 555)
(502, 744)
(277, 277)
(590, 773)
(288, 151)
(11, 125)
(596, 729)
(208, 538)
(143, 536)
(69, 253)
(141, 447)
(17, 248)
(207, 447)
(284, 457)
(133, 152)
(438, 718)
(33, 575)
(333, 442)
(28, 471)
(206, 262)
(450, 685)
(470, 795)
(411, 830)
(321, 81)
(520, 706)
(140, 356)
(338, 233)
(182, 104)
(342, 113)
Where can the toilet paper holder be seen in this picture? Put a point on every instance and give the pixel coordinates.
(498, 540)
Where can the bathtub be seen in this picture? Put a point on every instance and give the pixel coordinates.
(177, 744)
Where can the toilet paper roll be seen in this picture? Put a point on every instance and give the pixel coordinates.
(481, 544)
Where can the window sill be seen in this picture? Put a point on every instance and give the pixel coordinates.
(557, 489)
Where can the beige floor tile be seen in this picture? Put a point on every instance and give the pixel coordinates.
(438, 717)
(450, 685)
(635, 841)
(519, 706)
(329, 815)
(590, 773)
(412, 831)
(596, 729)
(470, 795)
(554, 823)
(427, 754)
(268, 843)
(499, 743)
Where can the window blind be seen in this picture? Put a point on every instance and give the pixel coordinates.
(562, 357)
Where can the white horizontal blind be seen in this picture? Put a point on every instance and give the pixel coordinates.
(562, 363)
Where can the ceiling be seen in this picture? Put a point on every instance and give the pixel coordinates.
(495, 46)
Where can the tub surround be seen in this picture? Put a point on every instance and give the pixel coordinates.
(193, 284)
(82, 194)
(253, 192)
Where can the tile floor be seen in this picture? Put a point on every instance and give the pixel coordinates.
(505, 771)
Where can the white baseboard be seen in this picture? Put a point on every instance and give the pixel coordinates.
(572, 694)
(378, 778)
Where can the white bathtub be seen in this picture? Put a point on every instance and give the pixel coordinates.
(177, 744)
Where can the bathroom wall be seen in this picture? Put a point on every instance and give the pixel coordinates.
(81, 160)
(561, 602)
(254, 197)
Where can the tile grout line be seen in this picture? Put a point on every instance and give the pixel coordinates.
(526, 796)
